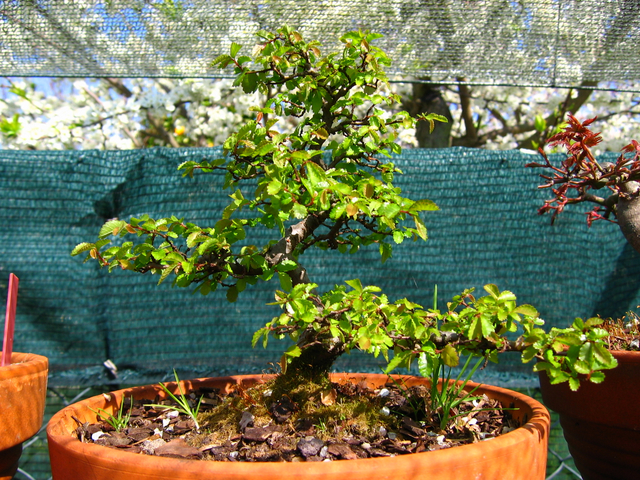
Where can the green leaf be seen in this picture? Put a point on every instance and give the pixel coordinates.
(604, 356)
(286, 266)
(293, 351)
(111, 227)
(424, 205)
(82, 247)
(165, 273)
(450, 356)
(300, 155)
(574, 384)
(420, 227)
(258, 335)
(299, 210)
(507, 296)
(526, 310)
(385, 251)
(355, 284)
(274, 187)
(250, 83)
(232, 294)
(158, 254)
(389, 210)
(235, 48)
(285, 281)
(315, 173)
(596, 377)
(492, 290)
(540, 124)
(397, 360)
(481, 327)
(316, 102)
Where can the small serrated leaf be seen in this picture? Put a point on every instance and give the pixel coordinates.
(492, 290)
(285, 281)
(234, 49)
(420, 227)
(82, 247)
(527, 310)
(111, 227)
(424, 205)
(450, 356)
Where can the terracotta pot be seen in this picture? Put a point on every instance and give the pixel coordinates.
(601, 422)
(519, 454)
(23, 390)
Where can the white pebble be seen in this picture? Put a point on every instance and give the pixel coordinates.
(384, 392)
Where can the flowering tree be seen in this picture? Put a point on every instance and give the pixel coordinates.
(123, 114)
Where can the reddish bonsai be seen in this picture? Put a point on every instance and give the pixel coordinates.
(577, 178)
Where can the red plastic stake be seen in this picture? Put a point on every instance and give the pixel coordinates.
(10, 320)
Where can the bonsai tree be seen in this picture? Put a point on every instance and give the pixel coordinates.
(327, 183)
(580, 175)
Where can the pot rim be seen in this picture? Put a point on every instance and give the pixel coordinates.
(24, 364)
(537, 424)
(628, 356)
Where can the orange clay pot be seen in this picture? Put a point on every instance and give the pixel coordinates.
(601, 422)
(23, 389)
(519, 454)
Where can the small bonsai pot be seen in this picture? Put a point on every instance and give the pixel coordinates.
(601, 422)
(519, 454)
(23, 390)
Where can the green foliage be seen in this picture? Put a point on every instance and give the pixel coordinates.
(10, 128)
(362, 318)
(327, 183)
(182, 404)
(119, 421)
(328, 168)
(446, 395)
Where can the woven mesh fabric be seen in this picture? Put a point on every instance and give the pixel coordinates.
(527, 42)
(78, 315)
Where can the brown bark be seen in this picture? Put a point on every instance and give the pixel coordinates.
(628, 213)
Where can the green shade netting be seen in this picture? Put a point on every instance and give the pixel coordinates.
(78, 315)
(526, 42)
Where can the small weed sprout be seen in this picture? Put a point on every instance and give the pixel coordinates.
(119, 421)
(183, 406)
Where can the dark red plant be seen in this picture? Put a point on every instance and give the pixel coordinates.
(578, 175)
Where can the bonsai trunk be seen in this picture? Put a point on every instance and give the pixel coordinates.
(319, 352)
(628, 213)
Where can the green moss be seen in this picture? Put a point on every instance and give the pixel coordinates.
(319, 405)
